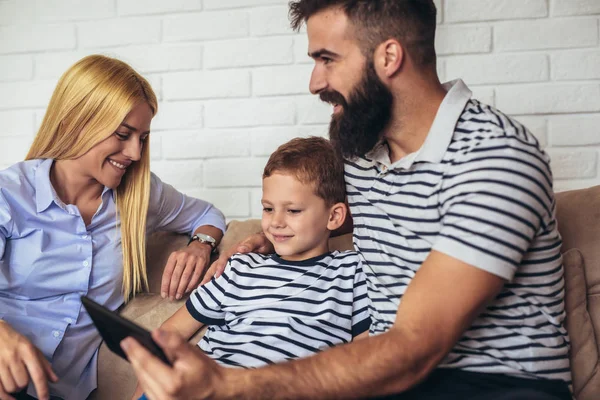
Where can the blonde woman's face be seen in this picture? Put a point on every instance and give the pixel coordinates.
(108, 161)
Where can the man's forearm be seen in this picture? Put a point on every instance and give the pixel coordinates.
(380, 365)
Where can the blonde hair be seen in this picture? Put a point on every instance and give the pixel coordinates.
(90, 101)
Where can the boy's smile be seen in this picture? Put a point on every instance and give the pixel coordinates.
(294, 218)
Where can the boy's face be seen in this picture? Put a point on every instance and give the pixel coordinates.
(294, 218)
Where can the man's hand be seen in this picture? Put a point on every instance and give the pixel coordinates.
(192, 376)
(184, 269)
(20, 362)
(257, 243)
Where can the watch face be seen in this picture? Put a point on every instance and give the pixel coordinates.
(205, 238)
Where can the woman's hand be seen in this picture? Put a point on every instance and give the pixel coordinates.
(20, 362)
(256, 243)
(184, 269)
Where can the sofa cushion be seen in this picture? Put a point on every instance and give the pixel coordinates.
(584, 351)
(578, 214)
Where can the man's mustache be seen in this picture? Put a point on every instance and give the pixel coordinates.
(333, 97)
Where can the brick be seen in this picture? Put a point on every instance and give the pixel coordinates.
(28, 38)
(270, 21)
(16, 123)
(547, 99)
(16, 68)
(206, 26)
(575, 7)
(26, 94)
(492, 69)
(220, 4)
(489, 10)
(265, 141)
(249, 112)
(255, 203)
(311, 110)
(53, 65)
(134, 7)
(234, 203)
(439, 17)
(119, 32)
(573, 164)
(441, 69)
(573, 65)
(575, 130)
(546, 34)
(272, 81)
(228, 173)
(206, 144)
(12, 12)
(206, 84)
(160, 58)
(301, 50)
(486, 95)
(73, 10)
(156, 146)
(180, 174)
(457, 39)
(574, 184)
(249, 52)
(14, 149)
(536, 125)
(178, 115)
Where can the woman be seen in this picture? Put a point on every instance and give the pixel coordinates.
(73, 221)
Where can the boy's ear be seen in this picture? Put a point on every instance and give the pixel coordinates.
(337, 216)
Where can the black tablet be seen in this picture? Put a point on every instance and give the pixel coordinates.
(113, 328)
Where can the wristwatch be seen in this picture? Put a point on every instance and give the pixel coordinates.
(205, 239)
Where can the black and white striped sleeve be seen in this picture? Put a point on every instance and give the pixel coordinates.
(205, 302)
(495, 197)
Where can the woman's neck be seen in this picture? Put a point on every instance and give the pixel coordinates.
(71, 186)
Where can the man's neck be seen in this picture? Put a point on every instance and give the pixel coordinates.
(412, 117)
(72, 187)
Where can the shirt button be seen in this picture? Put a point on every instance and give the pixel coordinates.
(56, 334)
(85, 263)
(69, 320)
(84, 237)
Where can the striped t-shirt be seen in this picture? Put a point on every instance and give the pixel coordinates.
(479, 190)
(264, 309)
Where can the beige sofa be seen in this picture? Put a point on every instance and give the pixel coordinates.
(579, 223)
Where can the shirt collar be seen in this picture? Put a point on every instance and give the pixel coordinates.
(44, 191)
(439, 135)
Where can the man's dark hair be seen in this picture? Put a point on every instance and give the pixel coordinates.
(313, 161)
(411, 22)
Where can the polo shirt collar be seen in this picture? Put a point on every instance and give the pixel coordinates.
(439, 135)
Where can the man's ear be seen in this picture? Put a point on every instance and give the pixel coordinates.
(388, 58)
(337, 215)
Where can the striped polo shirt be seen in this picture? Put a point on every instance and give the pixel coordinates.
(264, 309)
(480, 190)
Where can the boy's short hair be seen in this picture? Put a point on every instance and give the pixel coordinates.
(313, 161)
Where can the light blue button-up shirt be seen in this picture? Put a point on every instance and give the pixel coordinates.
(49, 258)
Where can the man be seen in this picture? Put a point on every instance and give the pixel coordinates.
(453, 217)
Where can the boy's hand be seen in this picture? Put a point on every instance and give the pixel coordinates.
(256, 243)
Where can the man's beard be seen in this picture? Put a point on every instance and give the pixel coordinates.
(359, 126)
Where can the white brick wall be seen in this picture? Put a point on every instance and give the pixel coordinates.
(232, 78)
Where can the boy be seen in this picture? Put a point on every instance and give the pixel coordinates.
(268, 309)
